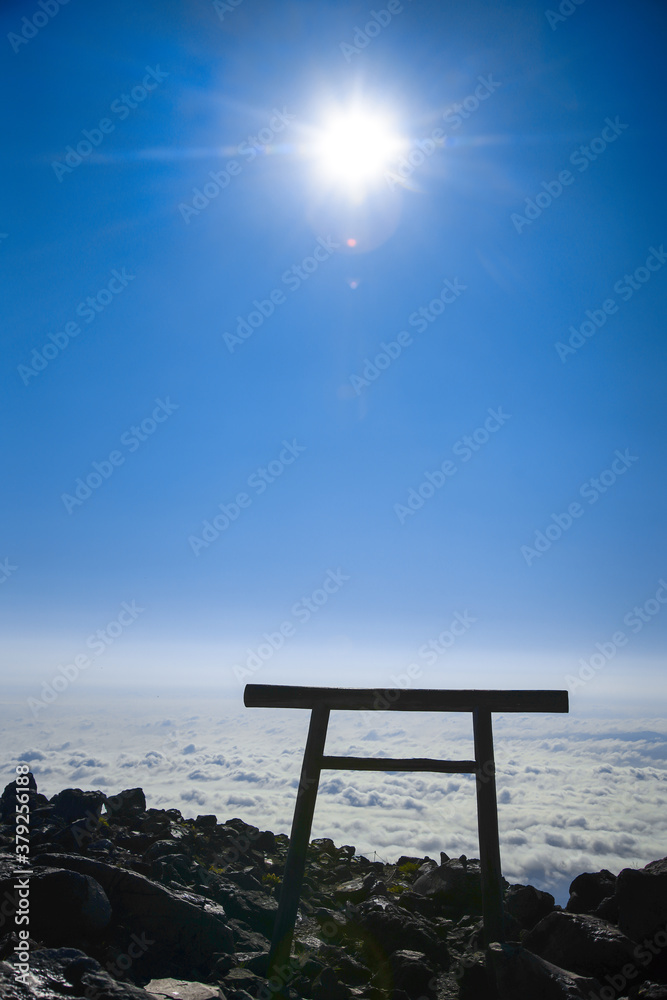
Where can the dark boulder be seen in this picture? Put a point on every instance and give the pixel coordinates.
(8, 800)
(356, 890)
(456, 884)
(56, 973)
(328, 986)
(589, 889)
(126, 804)
(581, 943)
(521, 975)
(642, 900)
(527, 904)
(66, 905)
(72, 804)
(412, 972)
(649, 991)
(384, 928)
(182, 930)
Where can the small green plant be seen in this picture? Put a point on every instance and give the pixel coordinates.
(396, 889)
(270, 879)
(409, 868)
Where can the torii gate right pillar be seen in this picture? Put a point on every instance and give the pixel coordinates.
(487, 824)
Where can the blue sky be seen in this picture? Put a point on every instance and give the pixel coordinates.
(582, 94)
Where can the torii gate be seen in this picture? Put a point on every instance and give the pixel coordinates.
(321, 701)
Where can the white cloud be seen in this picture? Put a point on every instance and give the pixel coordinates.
(575, 793)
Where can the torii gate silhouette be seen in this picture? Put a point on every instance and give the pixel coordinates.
(321, 702)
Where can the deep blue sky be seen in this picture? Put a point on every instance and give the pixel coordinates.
(161, 338)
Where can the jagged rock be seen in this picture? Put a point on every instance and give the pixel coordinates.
(412, 972)
(642, 900)
(356, 890)
(64, 972)
(527, 904)
(72, 804)
(456, 884)
(267, 842)
(581, 943)
(352, 971)
(521, 975)
(426, 906)
(182, 989)
(128, 803)
(206, 822)
(66, 905)
(242, 979)
(648, 991)
(608, 909)
(162, 848)
(184, 929)
(256, 908)
(382, 925)
(8, 799)
(327, 986)
(589, 889)
(244, 880)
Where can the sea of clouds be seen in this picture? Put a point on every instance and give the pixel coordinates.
(575, 793)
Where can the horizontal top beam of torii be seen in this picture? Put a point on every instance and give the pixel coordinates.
(400, 700)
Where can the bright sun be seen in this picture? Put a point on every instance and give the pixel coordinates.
(354, 148)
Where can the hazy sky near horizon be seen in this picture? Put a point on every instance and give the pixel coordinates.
(255, 432)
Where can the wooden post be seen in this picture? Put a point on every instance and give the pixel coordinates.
(322, 701)
(487, 823)
(295, 864)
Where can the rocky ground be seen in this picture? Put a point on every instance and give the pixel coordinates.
(125, 900)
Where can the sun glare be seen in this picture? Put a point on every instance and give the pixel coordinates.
(355, 148)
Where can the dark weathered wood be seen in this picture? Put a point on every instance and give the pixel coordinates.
(295, 863)
(487, 824)
(322, 701)
(399, 764)
(398, 700)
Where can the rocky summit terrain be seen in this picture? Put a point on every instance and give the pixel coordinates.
(130, 903)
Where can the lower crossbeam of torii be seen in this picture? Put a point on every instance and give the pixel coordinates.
(321, 702)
